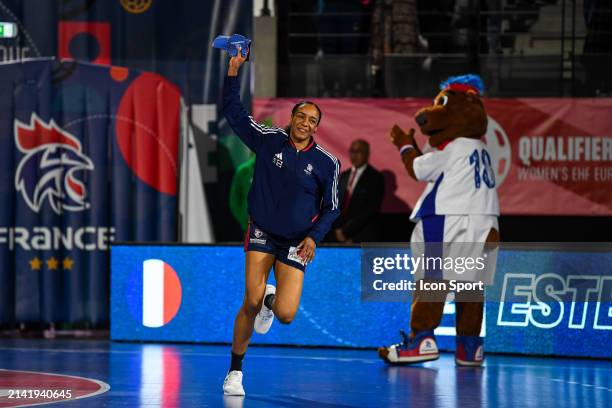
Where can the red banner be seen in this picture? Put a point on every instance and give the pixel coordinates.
(551, 156)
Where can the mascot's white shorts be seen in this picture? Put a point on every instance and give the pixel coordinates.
(458, 241)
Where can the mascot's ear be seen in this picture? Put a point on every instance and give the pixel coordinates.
(471, 95)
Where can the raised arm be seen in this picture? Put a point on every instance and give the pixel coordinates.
(249, 131)
(407, 146)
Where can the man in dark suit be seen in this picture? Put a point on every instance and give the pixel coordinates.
(362, 188)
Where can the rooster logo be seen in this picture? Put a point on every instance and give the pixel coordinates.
(49, 170)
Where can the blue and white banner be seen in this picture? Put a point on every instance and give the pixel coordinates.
(207, 284)
(88, 155)
(549, 301)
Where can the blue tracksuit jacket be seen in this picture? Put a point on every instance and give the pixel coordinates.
(294, 194)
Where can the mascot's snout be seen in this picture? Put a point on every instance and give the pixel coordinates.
(421, 119)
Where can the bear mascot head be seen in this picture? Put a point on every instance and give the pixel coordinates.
(457, 111)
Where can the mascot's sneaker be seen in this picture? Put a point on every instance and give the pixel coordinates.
(265, 317)
(421, 348)
(232, 385)
(469, 351)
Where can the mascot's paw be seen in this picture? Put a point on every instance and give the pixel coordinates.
(400, 138)
(469, 351)
(421, 348)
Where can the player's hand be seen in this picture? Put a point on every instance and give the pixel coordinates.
(236, 62)
(400, 138)
(306, 250)
(340, 235)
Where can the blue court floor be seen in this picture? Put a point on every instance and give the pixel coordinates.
(170, 375)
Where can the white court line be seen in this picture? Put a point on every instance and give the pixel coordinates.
(324, 330)
(598, 387)
(223, 355)
(555, 367)
(104, 387)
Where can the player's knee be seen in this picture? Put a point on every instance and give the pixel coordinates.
(284, 316)
(285, 319)
(251, 307)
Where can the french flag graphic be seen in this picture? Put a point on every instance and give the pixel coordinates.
(161, 293)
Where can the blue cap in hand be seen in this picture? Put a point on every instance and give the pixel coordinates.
(230, 43)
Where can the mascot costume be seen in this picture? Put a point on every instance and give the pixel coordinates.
(459, 205)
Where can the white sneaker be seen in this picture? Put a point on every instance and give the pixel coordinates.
(265, 317)
(232, 385)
